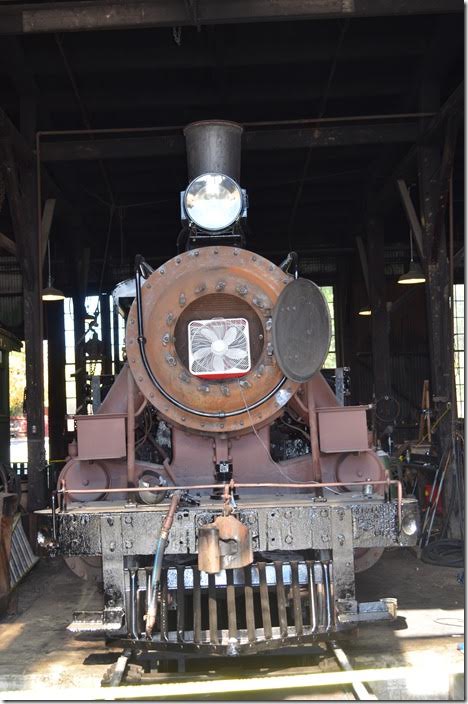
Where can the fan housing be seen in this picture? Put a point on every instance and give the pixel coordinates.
(219, 348)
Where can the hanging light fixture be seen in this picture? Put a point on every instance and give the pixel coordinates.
(415, 274)
(49, 293)
(365, 310)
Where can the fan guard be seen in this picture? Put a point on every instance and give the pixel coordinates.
(219, 348)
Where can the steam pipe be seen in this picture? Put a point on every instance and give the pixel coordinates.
(130, 430)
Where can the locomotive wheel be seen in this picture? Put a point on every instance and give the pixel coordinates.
(87, 568)
(364, 558)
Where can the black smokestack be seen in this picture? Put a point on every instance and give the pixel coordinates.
(213, 146)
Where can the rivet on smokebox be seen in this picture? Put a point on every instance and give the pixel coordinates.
(148, 285)
(177, 261)
(169, 318)
(221, 285)
(200, 288)
(182, 300)
(162, 271)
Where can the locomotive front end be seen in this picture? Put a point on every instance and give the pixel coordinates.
(222, 546)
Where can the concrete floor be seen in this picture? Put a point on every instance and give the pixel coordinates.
(36, 650)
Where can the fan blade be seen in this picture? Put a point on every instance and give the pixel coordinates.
(230, 335)
(201, 352)
(236, 353)
(218, 363)
(208, 334)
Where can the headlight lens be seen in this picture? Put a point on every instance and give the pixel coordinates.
(409, 525)
(213, 201)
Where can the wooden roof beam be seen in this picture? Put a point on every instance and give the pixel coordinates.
(150, 145)
(108, 14)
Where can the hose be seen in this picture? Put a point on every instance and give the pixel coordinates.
(444, 553)
(157, 564)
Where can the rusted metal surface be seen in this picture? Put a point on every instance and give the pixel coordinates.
(184, 282)
(101, 436)
(224, 544)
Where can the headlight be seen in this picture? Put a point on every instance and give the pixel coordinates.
(409, 525)
(213, 201)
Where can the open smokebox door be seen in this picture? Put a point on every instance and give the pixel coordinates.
(301, 330)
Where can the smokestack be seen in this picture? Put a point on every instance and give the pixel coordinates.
(213, 146)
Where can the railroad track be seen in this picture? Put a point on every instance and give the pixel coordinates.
(327, 666)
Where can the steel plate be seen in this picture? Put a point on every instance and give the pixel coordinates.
(301, 330)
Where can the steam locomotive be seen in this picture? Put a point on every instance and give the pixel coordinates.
(221, 540)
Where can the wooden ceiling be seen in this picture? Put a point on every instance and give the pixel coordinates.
(307, 181)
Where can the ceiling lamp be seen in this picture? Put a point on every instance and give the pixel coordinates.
(49, 293)
(365, 310)
(415, 274)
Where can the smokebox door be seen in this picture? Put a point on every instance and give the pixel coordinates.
(301, 330)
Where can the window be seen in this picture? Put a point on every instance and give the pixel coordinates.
(93, 366)
(459, 346)
(70, 388)
(330, 361)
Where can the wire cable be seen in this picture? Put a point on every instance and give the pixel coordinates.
(444, 553)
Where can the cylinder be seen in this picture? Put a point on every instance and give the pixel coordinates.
(213, 146)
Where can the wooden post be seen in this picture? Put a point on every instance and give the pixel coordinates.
(21, 186)
(106, 335)
(438, 296)
(56, 365)
(380, 320)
